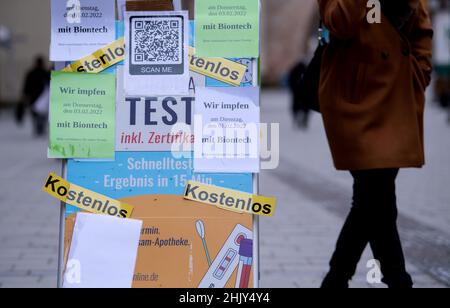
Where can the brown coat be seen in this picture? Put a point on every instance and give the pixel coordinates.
(372, 88)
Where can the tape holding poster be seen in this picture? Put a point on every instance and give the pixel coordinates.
(211, 67)
(221, 69)
(100, 60)
(230, 200)
(85, 199)
(172, 251)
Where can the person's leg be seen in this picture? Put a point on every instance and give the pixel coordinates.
(293, 107)
(40, 125)
(35, 117)
(20, 113)
(384, 238)
(449, 110)
(352, 240)
(306, 113)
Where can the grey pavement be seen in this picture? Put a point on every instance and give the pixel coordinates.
(29, 220)
(295, 245)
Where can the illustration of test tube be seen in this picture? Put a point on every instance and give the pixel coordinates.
(245, 264)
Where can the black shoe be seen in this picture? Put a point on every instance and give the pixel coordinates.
(403, 281)
(334, 281)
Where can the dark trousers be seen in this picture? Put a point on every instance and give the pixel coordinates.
(372, 220)
(39, 123)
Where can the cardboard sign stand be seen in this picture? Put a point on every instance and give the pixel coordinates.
(256, 248)
(256, 232)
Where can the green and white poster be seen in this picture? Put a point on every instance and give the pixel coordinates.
(82, 116)
(227, 28)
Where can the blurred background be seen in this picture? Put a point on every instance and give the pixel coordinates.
(313, 198)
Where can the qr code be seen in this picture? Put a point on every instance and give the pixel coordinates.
(157, 40)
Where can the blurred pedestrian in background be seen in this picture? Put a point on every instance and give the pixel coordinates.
(36, 81)
(40, 110)
(441, 53)
(300, 110)
(372, 96)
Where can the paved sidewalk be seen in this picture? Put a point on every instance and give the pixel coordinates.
(29, 220)
(295, 245)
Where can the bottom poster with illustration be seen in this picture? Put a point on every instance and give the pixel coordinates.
(183, 244)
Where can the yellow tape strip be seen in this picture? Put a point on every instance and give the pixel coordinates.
(85, 199)
(231, 200)
(99, 60)
(221, 69)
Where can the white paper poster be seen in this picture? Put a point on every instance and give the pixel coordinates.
(227, 130)
(157, 53)
(103, 252)
(80, 27)
(155, 123)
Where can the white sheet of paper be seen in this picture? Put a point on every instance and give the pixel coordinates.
(147, 123)
(227, 130)
(79, 31)
(157, 53)
(103, 252)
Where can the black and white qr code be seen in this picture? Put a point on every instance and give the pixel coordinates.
(156, 44)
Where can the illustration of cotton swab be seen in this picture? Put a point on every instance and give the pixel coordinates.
(201, 232)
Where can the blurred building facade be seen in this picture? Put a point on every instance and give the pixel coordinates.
(288, 27)
(285, 30)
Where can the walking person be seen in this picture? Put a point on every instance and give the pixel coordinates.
(372, 96)
(36, 81)
(299, 108)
